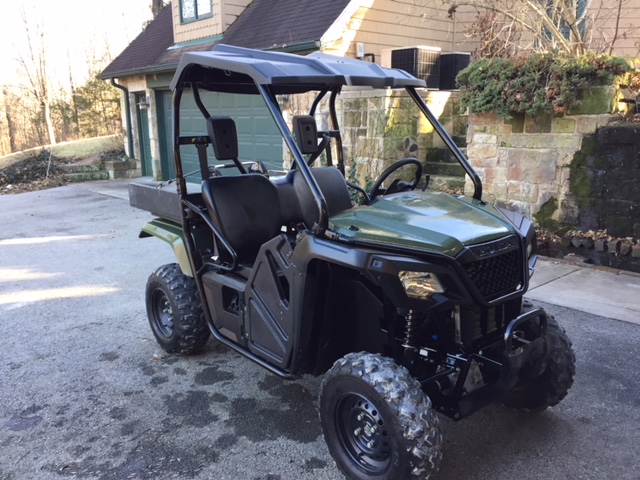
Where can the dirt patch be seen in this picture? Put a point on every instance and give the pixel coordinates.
(33, 173)
(44, 170)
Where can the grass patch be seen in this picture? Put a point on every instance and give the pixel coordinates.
(68, 150)
(42, 167)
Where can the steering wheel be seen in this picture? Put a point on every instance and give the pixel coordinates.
(397, 185)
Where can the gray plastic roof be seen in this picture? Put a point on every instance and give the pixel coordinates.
(237, 70)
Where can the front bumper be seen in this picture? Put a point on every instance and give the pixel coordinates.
(507, 368)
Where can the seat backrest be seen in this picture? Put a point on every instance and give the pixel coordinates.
(224, 137)
(245, 208)
(332, 185)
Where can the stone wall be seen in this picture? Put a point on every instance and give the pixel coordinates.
(605, 180)
(380, 127)
(525, 163)
(579, 171)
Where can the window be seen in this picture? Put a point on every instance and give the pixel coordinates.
(557, 12)
(191, 10)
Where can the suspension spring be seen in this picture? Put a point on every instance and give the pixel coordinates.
(412, 323)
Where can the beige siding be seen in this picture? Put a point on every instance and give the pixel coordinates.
(231, 9)
(604, 17)
(224, 14)
(383, 24)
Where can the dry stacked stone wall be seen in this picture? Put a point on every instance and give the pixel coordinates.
(577, 176)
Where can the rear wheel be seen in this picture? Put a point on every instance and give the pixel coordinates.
(174, 311)
(377, 422)
(553, 384)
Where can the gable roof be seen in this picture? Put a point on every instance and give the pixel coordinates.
(146, 49)
(264, 24)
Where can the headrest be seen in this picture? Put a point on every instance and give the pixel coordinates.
(306, 133)
(223, 136)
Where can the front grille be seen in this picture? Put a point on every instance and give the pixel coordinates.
(496, 276)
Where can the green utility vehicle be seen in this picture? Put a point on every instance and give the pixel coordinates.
(409, 302)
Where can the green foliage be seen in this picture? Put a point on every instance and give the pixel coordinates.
(545, 82)
(352, 176)
(98, 105)
(632, 79)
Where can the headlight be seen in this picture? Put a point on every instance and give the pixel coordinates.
(420, 284)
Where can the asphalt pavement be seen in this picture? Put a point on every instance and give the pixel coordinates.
(85, 392)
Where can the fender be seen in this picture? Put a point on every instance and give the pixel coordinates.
(172, 234)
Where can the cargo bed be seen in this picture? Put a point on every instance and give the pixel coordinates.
(161, 198)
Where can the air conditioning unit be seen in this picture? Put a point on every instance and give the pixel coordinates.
(420, 61)
(451, 64)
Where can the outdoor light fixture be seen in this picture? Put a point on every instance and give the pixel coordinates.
(143, 104)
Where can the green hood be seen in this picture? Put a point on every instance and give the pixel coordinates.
(429, 221)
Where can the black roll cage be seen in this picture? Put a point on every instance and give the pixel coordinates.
(241, 71)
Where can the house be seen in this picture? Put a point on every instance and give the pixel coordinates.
(367, 29)
(350, 28)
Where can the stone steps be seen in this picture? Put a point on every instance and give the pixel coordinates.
(83, 173)
(447, 184)
(122, 169)
(74, 168)
(444, 169)
(86, 176)
(110, 170)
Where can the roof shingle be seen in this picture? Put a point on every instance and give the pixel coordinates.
(278, 23)
(146, 49)
(264, 24)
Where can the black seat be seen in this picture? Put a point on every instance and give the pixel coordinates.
(296, 199)
(245, 208)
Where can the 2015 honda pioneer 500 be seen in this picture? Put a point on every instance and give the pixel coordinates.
(409, 304)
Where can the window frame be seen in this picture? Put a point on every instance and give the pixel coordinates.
(196, 16)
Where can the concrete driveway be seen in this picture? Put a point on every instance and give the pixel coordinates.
(86, 393)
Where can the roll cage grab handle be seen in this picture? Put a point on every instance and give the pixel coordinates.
(446, 138)
(323, 221)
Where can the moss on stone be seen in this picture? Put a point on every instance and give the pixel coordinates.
(594, 100)
(544, 216)
(589, 148)
(582, 186)
(582, 183)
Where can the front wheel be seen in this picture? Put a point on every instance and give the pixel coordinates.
(174, 311)
(553, 384)
(377, 422)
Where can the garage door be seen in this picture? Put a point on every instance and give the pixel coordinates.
(258, 135)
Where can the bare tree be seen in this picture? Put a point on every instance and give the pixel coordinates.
(73, 103)
(614, 28)
(504, 27)
(34, 66)
(9, 117)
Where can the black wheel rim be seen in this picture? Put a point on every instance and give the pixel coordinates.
(162, 313)
(362, 433)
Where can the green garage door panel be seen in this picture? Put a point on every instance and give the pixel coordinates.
(258, 135)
